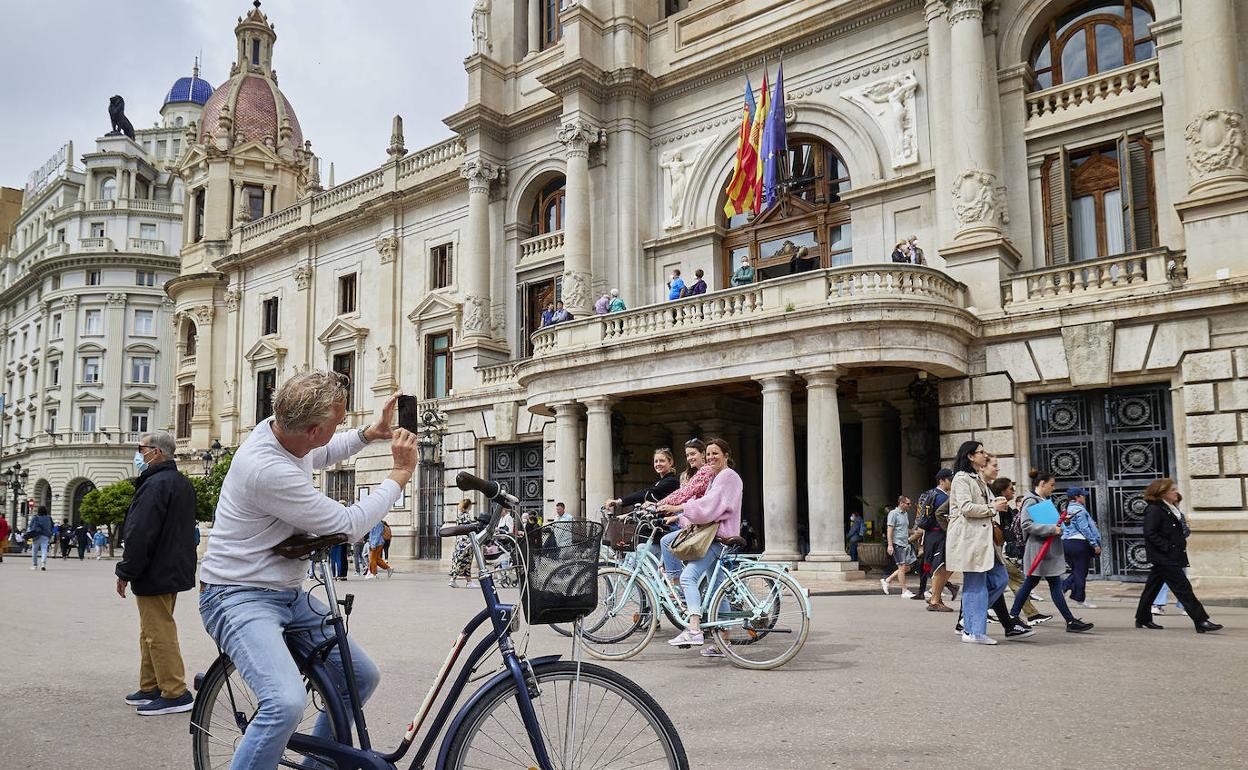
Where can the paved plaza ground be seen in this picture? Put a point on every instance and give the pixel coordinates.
(879, 684)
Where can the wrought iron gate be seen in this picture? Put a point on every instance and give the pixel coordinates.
(518, 468)
(1113, 442)
(429, 510)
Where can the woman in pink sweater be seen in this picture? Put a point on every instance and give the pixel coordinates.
(722, 504)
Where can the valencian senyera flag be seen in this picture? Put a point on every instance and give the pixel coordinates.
(745, 174)
(757, 129)
(775, 145)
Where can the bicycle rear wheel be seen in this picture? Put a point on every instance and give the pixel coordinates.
(624, 621)
(768, 618)
(590, 717)
(218, 724)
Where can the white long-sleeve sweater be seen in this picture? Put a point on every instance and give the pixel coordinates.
(268, 496)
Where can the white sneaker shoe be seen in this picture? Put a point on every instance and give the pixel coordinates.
(1158, 609)
(978, 639)
(370, 576)
(1037, 598)
(884, 585)
(1086, 605)
(472, 584)
(1183, 613)
(907, 594)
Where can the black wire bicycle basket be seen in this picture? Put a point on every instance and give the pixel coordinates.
(560, 577)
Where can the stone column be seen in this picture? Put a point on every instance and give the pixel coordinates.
(568, 456)
(577, 135)
(268, 199)
(114, 336)
(474, 274)
(1217, 158)
(938, 87)
(202, 412)
(978, 202)
(233, 217)
(825, 483)
(874, 461)
(779, 473)
(535, 26)
(628, 242)
(599, 477)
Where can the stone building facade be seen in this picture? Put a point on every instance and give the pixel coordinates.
(87, 327)
(1079, 200)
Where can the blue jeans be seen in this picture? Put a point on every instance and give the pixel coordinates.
(691, 573)
(1164, 595)
(1055, 592)
(361, 558)
(39, 551)
(979, 591)
(247, 623)
(338, 560)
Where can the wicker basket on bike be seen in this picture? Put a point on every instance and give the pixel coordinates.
(559, 582)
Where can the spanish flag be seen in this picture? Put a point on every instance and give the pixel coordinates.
(745, 175)
(756, 140)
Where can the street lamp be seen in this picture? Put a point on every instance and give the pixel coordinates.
(208, 461)
(217, 450)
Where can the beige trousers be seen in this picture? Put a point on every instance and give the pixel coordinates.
(160, 663)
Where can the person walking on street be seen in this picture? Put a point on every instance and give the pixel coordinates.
(461, 557)
(1015, 540)
(358, 554)
(1159, 604)
(376, 544)
(933, 528)
(1053, 565)
(101, 540)
(1081, 540)
(82, 538)
(65, 536)
(899, 546)
(857, 533)
(159, 563)
(39, 533)
(4, 535)
(1166, 547)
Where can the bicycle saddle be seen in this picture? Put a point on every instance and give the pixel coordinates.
(733, 542)
(303, 546)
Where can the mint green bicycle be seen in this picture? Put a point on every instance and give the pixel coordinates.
(754, 611)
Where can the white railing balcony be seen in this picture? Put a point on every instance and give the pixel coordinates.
(155, 207)
(542, 247)
(348, 191)
(147, 246)
(1062, 102)
(425, 159)
(95, 244)
(499, 374)
(1099, 279)
(736, 310)
(58, 249)
(103, 205)
(278, 220)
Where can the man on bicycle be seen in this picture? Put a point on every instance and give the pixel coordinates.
(250, 596)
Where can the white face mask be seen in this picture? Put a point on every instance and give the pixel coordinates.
(139, 463)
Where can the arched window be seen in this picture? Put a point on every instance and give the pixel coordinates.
(108, 188)
(810, 216)
(548, 208)
(1093, 38)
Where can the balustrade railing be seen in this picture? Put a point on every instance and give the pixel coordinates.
(156, 207)
(1101, 276)
(542, 247)
(95, 244)
(360, 186)
(147, 246)
(499, 374)
(275, 221)
(900, 282)
(1060, 98)
(103, 205)
(432, 156)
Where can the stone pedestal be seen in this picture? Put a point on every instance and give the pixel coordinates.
(982, 266)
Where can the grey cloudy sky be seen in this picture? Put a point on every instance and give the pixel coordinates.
(346, 66)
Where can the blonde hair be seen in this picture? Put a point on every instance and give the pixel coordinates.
(308, 399)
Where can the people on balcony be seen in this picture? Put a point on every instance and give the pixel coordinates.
(699, 286)
(676, 286)
(617, 304)
(561, 314)
(743, 275)
(602, 305)
(548, 315)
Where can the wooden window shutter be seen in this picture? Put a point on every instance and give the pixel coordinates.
(1143, 223)
(1057, 207)
(1125, 194)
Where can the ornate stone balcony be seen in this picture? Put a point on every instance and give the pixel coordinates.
(95, 244)
(1088, 96)
(542, 248)
(1157, 270)
(499, 374)
(147, 246)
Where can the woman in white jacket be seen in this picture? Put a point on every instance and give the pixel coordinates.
(969, 546)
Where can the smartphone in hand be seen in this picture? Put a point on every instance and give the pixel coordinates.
(409, 418)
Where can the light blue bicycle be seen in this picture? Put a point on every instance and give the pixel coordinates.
(754, 611)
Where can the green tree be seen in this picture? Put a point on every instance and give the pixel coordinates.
(208, 488)
(107, 507)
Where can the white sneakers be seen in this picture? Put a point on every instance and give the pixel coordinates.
(978, 639)
(884, 585)
(1086, 605)
(907, 594)
(1158, 609)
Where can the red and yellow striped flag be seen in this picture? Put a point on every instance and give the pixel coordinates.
(741, 188)
(756, 141)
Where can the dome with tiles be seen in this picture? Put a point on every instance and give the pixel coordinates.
(193, 89)
(257, 109)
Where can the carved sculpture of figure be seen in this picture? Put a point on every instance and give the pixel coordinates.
(895, 96)
(677, 177)
(383, 360)
(481, 26)
(117, 114)
(978, 200)
(1215, 143)
(229, 392)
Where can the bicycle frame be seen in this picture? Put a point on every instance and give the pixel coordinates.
(502, 618)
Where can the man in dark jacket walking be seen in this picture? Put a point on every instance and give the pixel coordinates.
(159, 562)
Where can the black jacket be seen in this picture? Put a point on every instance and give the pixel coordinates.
(1164, 541)
(661, 489)
(159, 533)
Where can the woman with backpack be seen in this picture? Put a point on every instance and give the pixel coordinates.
(1052, 566)
(1014, 541)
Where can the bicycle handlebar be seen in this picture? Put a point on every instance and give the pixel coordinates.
(470, 483)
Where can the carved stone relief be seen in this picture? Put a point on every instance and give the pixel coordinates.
(978, 200)
(303, 276)
(576, 289)
(232, 299)
(890, 102)
(1215, 143)
(677, 164)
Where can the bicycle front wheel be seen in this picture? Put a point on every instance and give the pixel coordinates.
(590, 717)
(624, 621)
(766, 615)
(221, 716)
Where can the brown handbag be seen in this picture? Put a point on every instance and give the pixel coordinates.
(693, 542)
(998, 534)
(619, 534)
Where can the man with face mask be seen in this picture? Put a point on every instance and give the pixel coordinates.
(158, 563)
(248, 594)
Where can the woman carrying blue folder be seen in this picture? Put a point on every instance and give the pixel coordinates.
(1041, 524)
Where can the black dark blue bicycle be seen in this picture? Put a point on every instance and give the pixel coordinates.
(543, 712)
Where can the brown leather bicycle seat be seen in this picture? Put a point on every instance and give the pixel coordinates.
(454, 530)
(732, 542)
(303, 546)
